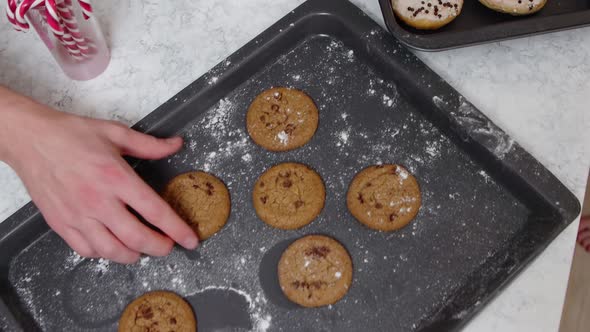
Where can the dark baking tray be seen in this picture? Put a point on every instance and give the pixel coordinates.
(488, 207)
(477, 24)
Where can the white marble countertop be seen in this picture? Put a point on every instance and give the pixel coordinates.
(535, 88)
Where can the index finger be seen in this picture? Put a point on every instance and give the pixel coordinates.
(145, 201)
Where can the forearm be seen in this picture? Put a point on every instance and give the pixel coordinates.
(20, 117)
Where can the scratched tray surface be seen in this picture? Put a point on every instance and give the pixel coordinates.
(433, 274)
(477, 24)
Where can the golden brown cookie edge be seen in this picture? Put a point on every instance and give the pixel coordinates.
(227, 206)
(361, 217)
(348, 275)
(279, 148)
(129, 311)
(298, 226)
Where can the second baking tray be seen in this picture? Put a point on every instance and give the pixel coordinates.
(477, 24)
(488, 206)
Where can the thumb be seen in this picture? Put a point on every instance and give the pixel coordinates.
(135, 144)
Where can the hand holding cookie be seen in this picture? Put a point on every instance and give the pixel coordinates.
(83, 186)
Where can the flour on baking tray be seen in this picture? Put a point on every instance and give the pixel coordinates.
(91, 291)
(477, 125)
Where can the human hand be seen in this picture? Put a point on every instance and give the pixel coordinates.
(73, 170)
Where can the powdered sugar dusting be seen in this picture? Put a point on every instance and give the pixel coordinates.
(485, 175)
(144, 260)
(342, 137)
(222, 140)
(402, 173)
(102, 265)
(283, 137)
(236, 268)
(478, 126)
(73, 259)
(387, 100)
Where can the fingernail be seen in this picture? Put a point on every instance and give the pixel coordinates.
(171, 140)
(190, 242)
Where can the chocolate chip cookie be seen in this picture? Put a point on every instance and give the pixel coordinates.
(384, 197)
(201, 199)
(282, 119)
(315, 271)
(289, 196)
(158, 311)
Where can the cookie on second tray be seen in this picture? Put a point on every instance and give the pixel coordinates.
(384, 197)
(427, 14)
(158, 311)
(289, 196)
(201, 199)
(282, 119)
(515, 7)
(315, 271)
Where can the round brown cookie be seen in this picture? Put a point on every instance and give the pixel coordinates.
(281, 119)
(427, 14)
(314, 271)
(289, 196)
(515, 7)
(384, 197)
(158, 311)
(201, 199)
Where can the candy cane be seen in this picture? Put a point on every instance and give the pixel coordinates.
(70, 23)
(22, 9)
(60, 19)
(52, 18)
(86, 8)
(19, 13)
(16, 12)
(62, 34)
(10, 10)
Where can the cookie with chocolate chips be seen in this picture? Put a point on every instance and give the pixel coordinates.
(158, 311)
(201, 200)
(282, 119)
(515, 7)
(289, 196)
(427, 14)
(315, 271)
(384, 197)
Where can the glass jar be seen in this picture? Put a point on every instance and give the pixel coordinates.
(80, 48)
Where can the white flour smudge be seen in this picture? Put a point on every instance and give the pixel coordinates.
(343, 137)
(387, 100)
(283, 137)
(485, 175)
(102, 266)
(477, 125)
(439, 102)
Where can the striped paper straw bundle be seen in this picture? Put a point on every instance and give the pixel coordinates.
(59, 16)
